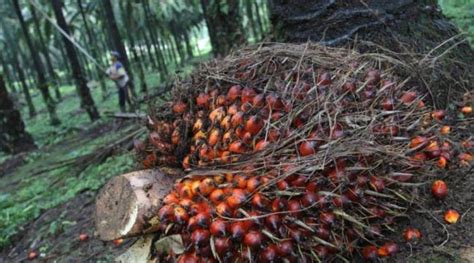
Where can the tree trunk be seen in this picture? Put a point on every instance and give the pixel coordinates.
(189, 46)
(225, 29)
(251, 24)
(87, 102)
(45, 51)
(24, 86)
(128, 204)
(13, 137)
(9, 77)
(42, 82)
(259, 17)
(117, 40)
(404, 26)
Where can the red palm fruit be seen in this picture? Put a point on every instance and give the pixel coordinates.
(273, 135)
(217, 115)
(340, 201)
(312, 187)
(327, 218)
(321, 251)
(203, 219)
(279, 204)
(299, 181)
(442, 161)
(451, 216)
(234, 93)
(188, 258)
(438, 115)
(185, 191)
(171, 198)
(418, 140)
(307, 148)
(259, 201)
(260, 145)
(268, 254)
(282, 185)
(214, 137)
(388, 249)
(377, 183)
(237, 147)
(207, 186)
(186, 162)
(466, 109)
(253, 239)
(222, 245)
(387, 104)
(180, 215)
(369, 252)
(467, 157)
(223, 209)
(247, 95)
(192, 224)
(285, 248)
(408, 97)
(237, 230)
(226, 123)
(253, 183)
(237, 198)
(322, 232)
(274, 102)
(309, 199)
(32, 255)
(83, 237)
(373, 77)
(324, 79)
(439, 189)
(277, 115)
(233, 109)
(273, 221)
(179, 107)
(294, 207)
(195, 187)
(349, 86)
(200, 237)
(433, 149)
(149, 161)
(411, 234)
(165, 213)
(186, 203)
(221, 100)
(419, 157)
(246, 107)
(202, 100)
(377, 211)
(297, 234)
(254, 124)
(240, 181)
(218, 228)
(175, 137)
(217, 196)
(258, 101)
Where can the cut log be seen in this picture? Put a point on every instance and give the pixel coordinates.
(128, 204)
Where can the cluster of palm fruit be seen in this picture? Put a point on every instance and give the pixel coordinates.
(294, 166)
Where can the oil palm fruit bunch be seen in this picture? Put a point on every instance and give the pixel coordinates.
(295, 156)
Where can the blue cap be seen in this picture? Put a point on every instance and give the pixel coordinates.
(115, 54)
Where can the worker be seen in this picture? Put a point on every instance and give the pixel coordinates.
(117, 73)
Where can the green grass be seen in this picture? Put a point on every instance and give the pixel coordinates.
(462, 14)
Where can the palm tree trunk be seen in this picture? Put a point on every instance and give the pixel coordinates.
(42, 82)
(24, 85)
(45, 51)
(87, 102)
(117, 40)
(13, 137)
(256, 4)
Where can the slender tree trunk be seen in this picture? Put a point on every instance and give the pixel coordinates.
(13, 137)
(151, 26)
(8, 74)
(187, 42)
(42, 82)
(224, 26)
(138, 62)
(117, 40)
(249, 13)
(45, 51)
(93, 44)
(256, 4)
(87, 102)
(24, 86)
(151, 58)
